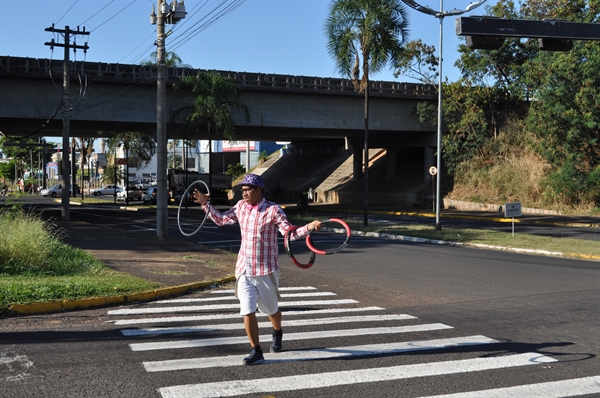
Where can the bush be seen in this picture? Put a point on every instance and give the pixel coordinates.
(235, 170)
(30, 245)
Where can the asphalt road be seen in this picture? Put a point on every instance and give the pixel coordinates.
(438, 320)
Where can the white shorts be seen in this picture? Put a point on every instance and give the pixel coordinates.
(261, 291)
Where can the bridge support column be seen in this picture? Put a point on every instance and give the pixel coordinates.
(429, 161)
(391, 163)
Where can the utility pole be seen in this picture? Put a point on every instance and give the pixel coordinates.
(164, 16)
(66, 110)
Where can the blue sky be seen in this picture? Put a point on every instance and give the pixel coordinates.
(268, 36)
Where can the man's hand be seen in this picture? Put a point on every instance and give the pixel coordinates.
(201, 198)
(316, 225)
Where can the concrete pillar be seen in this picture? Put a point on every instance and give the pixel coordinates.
(391, 163)
(429, 161)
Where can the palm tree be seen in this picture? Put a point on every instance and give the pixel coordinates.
(172, 60)
(214, 107)
(367, 33)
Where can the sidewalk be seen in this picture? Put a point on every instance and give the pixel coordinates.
(180, 266)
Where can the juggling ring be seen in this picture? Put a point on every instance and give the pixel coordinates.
(286, 244)
(311, 261)
(323, 252)
(184, 197)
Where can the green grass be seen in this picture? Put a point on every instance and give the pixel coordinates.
(578, 248)
(36, 266)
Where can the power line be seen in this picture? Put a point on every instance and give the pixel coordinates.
(76, 1)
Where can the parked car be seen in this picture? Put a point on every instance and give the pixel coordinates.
(56, 190)
(130, 193)
(149, 197)
(106, 190)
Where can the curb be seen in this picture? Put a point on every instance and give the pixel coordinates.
(477, 245)
(95, 302)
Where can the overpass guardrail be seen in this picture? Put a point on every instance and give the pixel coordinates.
(100, 71)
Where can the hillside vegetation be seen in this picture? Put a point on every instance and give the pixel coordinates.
(523, 124)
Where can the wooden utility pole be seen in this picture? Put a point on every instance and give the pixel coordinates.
(66, 111)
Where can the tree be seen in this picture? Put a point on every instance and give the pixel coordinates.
(367, 34)
(85, 146)
(214, 107)
(139, 149)
(172, 60)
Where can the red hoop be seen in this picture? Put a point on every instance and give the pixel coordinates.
(323, 252)
(288, 250)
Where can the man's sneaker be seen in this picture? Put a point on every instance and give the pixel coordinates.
(255, 357)
(276, 344)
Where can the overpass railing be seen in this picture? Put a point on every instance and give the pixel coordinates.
(18, 66)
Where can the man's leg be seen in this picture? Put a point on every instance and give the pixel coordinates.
(277, 331)
(251, 326)
(276, 320)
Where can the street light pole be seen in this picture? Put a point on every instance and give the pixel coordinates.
(164, 16)
(441, 14)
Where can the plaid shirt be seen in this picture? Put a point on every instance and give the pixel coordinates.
(259, 251)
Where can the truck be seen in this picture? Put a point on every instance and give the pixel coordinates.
(181, 179)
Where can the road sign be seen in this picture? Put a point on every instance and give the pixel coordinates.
(433, 170)
(512, 209)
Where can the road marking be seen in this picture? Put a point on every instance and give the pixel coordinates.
(193, 308)
(321, 380)
(552, 389)
(283, 295)
(14, 367)
(163, 345)
(238, 316)
(286, 323)
(281, 289)
(319, 353)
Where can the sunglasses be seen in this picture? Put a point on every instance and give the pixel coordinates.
(247, 189)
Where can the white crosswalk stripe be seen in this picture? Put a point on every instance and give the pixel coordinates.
(163, 345)
(304, 308)
(286, 324)
(330, 379)
(320, 353)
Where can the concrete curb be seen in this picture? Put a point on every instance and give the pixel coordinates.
(95, 302)
(477, 245)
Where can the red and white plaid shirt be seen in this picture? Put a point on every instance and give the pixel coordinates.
(259, 224)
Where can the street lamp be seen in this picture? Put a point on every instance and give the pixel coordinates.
(440, 15)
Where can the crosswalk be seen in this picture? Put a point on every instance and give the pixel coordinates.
(330, 320)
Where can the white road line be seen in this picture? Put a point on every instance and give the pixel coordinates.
(238, 316)
(232, 388)
(193, 308)
(552, 389)
(281, 289)
(163, 345)
(285, 323)
(283, 295)
(319, 353)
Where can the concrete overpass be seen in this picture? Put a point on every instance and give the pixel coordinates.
(282, 108)
(113, 97)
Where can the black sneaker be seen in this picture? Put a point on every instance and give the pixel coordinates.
(255, 357)
(276, 344)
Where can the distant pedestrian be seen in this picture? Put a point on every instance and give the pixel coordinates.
(257, 268)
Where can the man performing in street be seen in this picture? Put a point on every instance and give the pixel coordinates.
(257, 267)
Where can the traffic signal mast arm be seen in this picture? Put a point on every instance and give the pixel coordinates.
(485, 32)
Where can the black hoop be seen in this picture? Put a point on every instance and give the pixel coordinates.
(288, 250)
(323, 252)
(184, 197)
